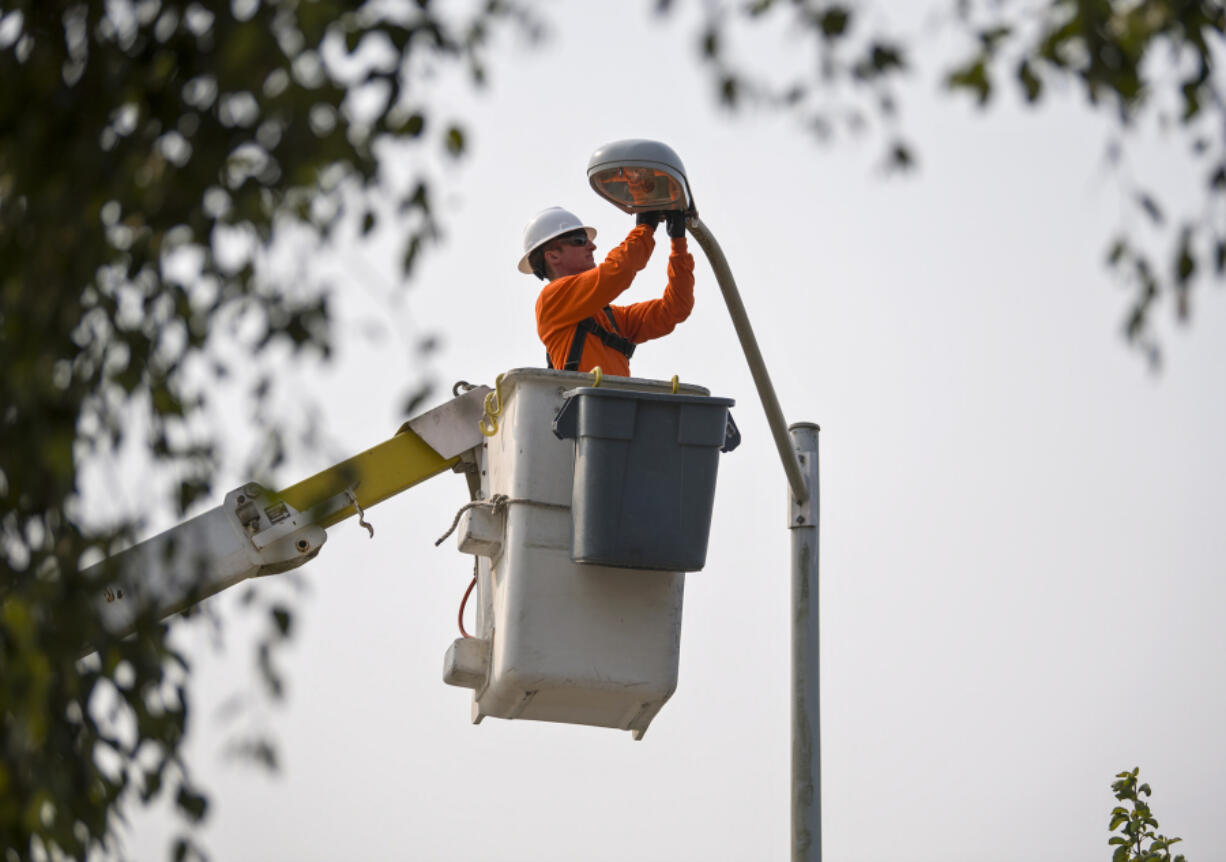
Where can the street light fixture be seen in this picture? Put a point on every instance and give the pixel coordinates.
(640, 175)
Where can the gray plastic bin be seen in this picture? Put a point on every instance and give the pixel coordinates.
(644, 484)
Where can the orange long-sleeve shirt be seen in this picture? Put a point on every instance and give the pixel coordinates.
(567, 300)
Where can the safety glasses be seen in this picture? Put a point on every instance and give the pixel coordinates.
(573, 239)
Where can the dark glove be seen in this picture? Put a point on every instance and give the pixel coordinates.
(675, 220)
(651, 219)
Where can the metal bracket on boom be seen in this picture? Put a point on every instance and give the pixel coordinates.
(250, 534)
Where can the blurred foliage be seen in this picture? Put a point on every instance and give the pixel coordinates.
(1143, 64)
(1138, 840)
(150, 152)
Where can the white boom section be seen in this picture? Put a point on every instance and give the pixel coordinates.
(247, 535)
(256, 532)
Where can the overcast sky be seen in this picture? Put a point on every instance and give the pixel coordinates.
(1022, 542)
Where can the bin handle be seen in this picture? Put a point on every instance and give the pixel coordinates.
(676, 383)
(566, 423)
(596, 375)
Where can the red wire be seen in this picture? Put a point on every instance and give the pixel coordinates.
(463, 602)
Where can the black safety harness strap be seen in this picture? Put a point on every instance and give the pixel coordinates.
(589, 325)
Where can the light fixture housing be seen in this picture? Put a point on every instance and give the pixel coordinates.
(638, 175)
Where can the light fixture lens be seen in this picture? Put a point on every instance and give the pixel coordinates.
(637, 175)
(639, 188)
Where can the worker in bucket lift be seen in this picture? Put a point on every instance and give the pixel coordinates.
(575, 319)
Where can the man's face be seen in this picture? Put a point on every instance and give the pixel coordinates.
(571, 254)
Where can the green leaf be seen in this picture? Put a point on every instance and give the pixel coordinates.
(991, 38)
(414, 125)
(282, 619)
(834, 21)
(900, 157)
(153, 784)
(883, 58)
(411, 251)
(972, 77)
(1217, 180)
(729, 90)
(1185, 265)
(1032, 85)
(191, 803)
(1151, 209)
(192, 489)
(1191, 101)
(416, 399)
(455, 141)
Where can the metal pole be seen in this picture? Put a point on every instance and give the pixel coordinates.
(799, 456)
(749, 344)
(806, 669)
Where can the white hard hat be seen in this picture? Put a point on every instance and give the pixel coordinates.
(546, 225)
